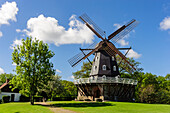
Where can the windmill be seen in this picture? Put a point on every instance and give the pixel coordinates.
(105, 66)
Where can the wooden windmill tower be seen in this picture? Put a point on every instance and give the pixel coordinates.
(104, 81)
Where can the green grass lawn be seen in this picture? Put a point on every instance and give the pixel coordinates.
(113, 107)
(86, 107)
(22, 107)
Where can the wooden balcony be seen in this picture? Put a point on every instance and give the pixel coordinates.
(105, 80)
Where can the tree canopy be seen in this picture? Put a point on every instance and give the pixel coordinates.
(5, 76)
(33, 66)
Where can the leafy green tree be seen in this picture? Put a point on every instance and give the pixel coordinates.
(33, 68)
(69, 89)
(84, 72)
(53, 87)
(5, 76)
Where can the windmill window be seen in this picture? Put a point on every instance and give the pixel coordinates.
(114, 68)
(95, 67)
(104, 67)
(96, 58)
(104, 77)
(113, 58)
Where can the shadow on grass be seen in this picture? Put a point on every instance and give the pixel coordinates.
(86, 104)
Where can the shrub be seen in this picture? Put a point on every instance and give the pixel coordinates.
(0, 101)
(5, 99)
(38, 99)
(99, 100)
(24, 98)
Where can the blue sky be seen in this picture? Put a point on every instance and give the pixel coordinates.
(56, 22)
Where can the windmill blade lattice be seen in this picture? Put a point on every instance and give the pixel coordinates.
(125, 64)
(92, 24)
(78, 57)
(125, 31)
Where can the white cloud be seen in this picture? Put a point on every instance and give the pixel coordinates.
(122, 41)
(14, 64)
(117, 25)
(1, 71)
(18, 30)
(48, 30)
(72, 77)
(1, 34)
(15, 43)
(8, 12)
(133, 54)
(57, 70)
(165, 24)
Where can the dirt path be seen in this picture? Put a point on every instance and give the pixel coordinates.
(56, 109)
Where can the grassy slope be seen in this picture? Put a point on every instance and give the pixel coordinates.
(20, 107)
(113, 107)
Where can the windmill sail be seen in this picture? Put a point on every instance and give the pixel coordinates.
(87, 19)
(79, 57)
(124, 30)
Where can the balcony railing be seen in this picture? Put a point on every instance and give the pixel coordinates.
(105, 80)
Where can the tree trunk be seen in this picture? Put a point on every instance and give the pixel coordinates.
(32, 99)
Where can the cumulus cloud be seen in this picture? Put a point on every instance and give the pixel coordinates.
(122, 41)
(8, 12)
(57, 70)
(18, 30)
(1, 71)
(14, 64)
(72, 77)
(133, 54)
(49, 30)
(165, 24)
(15, 43)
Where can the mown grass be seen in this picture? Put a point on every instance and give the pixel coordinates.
(112, 107)
(21, 107)
(86, 107)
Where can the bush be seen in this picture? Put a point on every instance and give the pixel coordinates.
(38, 99)
(5, 99)
(27, 99)
(99, 100)
(24, 98)
(63, 98)
(0, 101)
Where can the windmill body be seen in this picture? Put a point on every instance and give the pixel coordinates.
(104, 81)
(104, 65)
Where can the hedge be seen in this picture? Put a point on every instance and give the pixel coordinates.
(5, 99)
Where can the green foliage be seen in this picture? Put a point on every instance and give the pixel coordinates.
(33, 68)
(123, 66)
(84, 72)
(0, 101)
(5, 76)
(5, 99)
(69, 89)
(152, 89)
(53, 87)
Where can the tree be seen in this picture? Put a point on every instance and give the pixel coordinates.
(84, 72)
(33, 68)
(5, 76)
(69, 89)
(53, 87)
